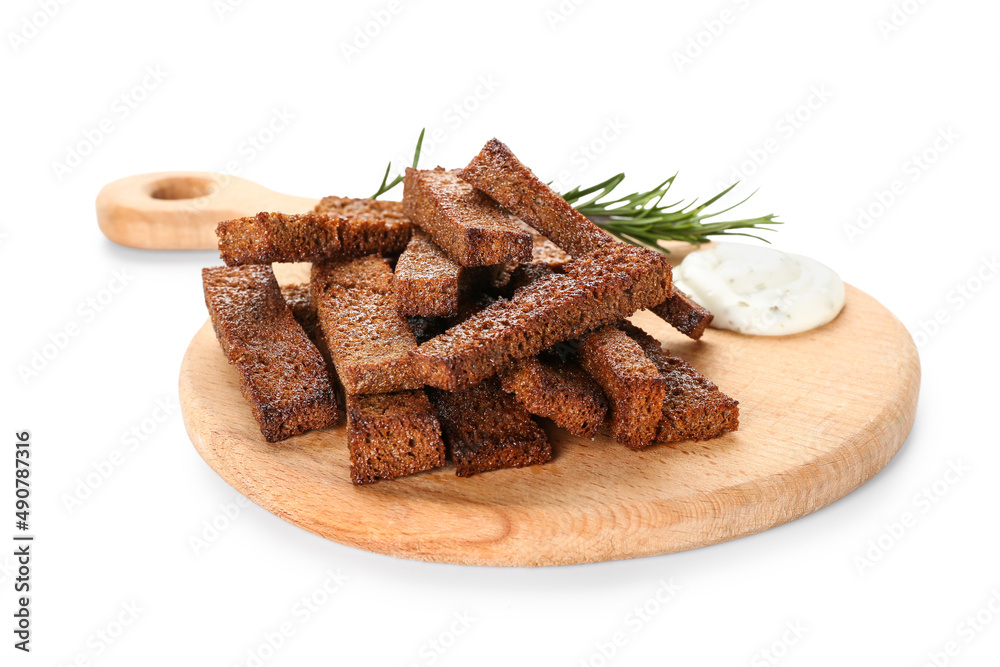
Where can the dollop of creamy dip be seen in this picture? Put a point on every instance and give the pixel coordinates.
(761, 291)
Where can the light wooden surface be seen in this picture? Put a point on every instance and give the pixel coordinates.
(179, 210)
(820, 413)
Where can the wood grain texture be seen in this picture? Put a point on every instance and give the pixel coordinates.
(179, 210)
(820, 413)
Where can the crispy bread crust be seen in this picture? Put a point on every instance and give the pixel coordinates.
(611, 283)
(429, 284)
(469, 226)
(426, 280)
(694, 407)
(486, 429)
(683, 314)
(558, 390)
(368, 339)
(632, 383)
(282, 375)
(277, 237)
(392, 435)
(497, 172)
(308, 237)
(373, 225)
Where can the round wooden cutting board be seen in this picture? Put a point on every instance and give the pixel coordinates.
(820, 413)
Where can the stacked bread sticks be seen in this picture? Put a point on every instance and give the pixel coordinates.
(451, 320)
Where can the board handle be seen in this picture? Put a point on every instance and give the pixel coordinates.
(179, 210)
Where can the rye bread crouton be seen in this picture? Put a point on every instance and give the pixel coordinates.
(694, 408)
(369, 341)
(559, 390)
(631, 382)
(429, 284)
(497, 172)
(486, 429)
(308, 237)
(602, 287)
(282, 375)
(469, 226)
(682, 313)
(277, 237)
(374, 225)
(392, 435)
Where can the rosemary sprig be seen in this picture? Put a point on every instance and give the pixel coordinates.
(382, 189)
(641, 218)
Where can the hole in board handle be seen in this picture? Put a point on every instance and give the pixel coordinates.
(182, 188)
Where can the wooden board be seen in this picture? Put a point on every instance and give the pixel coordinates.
(179, 210)
(820, 413)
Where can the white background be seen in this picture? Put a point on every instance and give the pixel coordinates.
(880, 94)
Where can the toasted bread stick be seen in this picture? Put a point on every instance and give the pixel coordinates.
(497, 172)
(282, 375)
(307, 237)
(392, 435)
(469, 226)
(486, 429)
(694, 407)
(600, 288)
(368, 339)
(559, 390)
(683, 314)
(631, 382)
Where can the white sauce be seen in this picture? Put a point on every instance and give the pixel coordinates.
(755, 290)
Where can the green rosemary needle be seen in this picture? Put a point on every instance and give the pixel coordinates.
(382, 189)
(641, 218)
